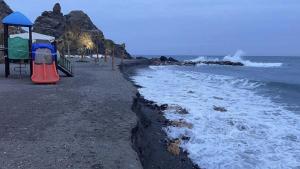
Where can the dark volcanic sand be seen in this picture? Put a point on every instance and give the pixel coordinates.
(83, 122)
(149, 139)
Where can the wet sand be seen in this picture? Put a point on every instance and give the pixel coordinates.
(82, 122)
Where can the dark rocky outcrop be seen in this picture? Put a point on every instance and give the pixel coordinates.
(75, 30)
(4, 10)
(163, 60)
(153, 146)
(229, 63)
(51, 23)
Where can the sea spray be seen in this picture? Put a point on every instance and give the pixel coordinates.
(238, 57)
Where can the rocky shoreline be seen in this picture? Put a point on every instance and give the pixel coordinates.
(163, 60)
(154, 148)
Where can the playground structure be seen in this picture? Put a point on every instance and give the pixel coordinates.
(44, 63)
(41, 55)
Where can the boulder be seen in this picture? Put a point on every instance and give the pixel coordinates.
(172, 60)
(163, 59)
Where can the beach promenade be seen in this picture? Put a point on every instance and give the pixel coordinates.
(82, 122)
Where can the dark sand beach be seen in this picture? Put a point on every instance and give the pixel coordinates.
(82, 122)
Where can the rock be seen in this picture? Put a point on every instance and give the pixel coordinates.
(50, 23)
(174, 148)
(190, 63)
(172, 59)
(163, 59)
(75, 30)
(177, 109)
(80, 32)
(4, 10)
(185, 138)
(181, 124)
(163, 107)
(182, 111)
(57, 9)
(220, 109)
(140, 57)
(218, 98)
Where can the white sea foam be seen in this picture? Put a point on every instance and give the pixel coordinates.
(238, 57)
(203, 58)
(255, 132)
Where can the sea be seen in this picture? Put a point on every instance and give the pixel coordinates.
(242, 117)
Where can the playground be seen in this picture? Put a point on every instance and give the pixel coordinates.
(31, 53)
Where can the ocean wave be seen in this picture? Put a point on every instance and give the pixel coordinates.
(238, 57)
(254, 132)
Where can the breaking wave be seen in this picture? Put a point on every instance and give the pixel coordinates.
(238, 57)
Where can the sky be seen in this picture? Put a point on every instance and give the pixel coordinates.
(188, 27)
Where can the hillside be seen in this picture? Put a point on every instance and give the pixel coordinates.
(75, 28)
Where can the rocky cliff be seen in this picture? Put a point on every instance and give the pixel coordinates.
(4, 11)
(75, 30)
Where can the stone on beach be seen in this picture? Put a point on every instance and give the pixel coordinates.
(220, 109)
(174, 147)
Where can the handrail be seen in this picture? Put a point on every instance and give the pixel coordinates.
(66, 64)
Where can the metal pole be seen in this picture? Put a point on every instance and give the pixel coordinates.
(30, 50)
(6, 50)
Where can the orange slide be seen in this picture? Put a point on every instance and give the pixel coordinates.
(44, 73)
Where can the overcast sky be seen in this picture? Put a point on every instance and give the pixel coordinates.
(191, 27)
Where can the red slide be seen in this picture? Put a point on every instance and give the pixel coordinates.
(44, 73)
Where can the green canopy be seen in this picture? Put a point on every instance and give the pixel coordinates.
(18, 48)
